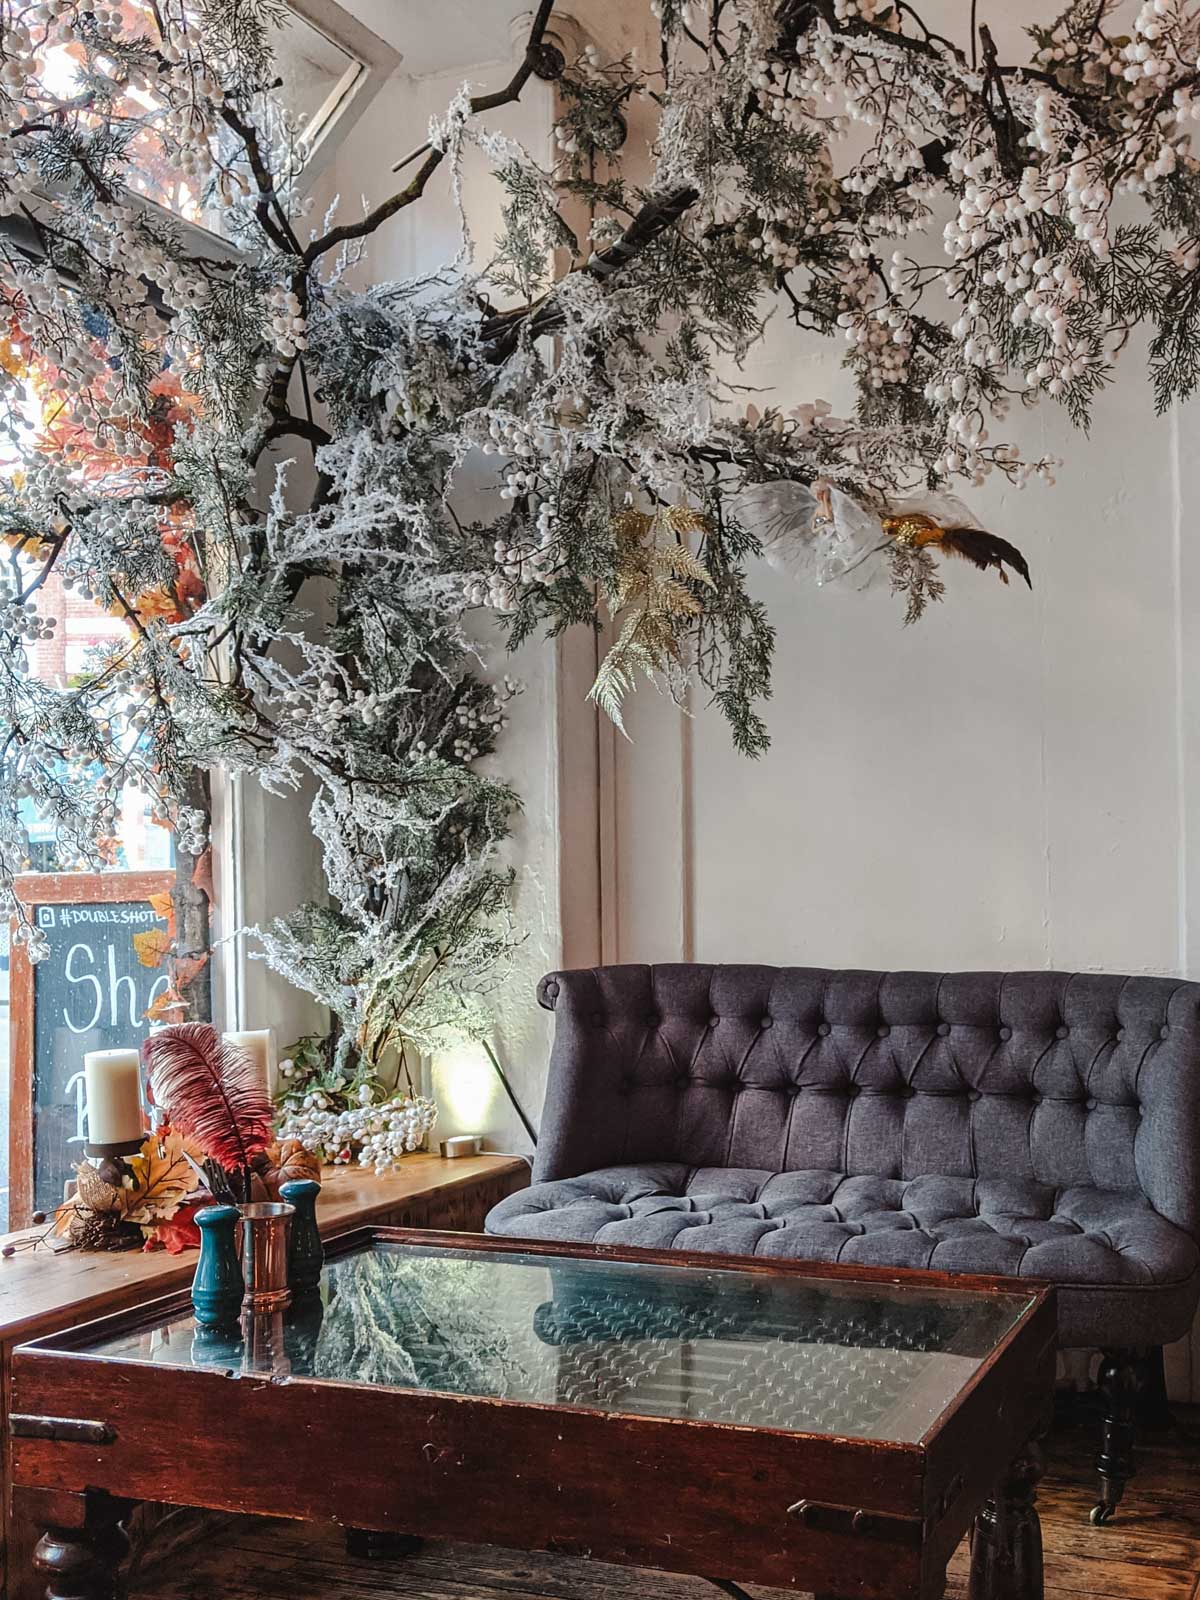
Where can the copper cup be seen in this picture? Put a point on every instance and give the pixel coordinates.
(263, 1351)
(265, 1225)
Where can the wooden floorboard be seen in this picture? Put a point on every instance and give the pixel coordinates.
(1152, 1551)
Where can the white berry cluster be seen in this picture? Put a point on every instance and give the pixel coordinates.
(36, 943)
(477, 723)
(20, 616)
(520, 558)
(287, 328)
(879, 335)
(502, 433)
(566, 137)
(372, 1133)
(331, 707)
(780, 95)
(191, 830)
(18, 53)
(857, 86)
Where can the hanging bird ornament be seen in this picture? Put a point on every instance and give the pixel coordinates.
(931, 522)
(819, 534)
(917, 530)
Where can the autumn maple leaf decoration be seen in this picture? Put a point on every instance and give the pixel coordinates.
(211, 1092)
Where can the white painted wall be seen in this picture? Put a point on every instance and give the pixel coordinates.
(1012, 782)
(1004, 784)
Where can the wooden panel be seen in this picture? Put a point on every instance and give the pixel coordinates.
(687, 1496)
(1151, 1552)
(87, 888)
(20, 1083)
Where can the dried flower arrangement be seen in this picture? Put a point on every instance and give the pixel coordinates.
(215, 1142)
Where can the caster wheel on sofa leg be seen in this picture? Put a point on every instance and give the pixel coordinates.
(1121, 1380)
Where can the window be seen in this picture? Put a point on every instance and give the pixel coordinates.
(106, 974)
(329, 68)
(109, 974)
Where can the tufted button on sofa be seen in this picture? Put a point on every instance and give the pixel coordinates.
(1037, 1125)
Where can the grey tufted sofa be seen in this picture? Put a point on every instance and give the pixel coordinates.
(1038, 1125)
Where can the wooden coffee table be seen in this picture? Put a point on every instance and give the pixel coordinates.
(816, 1428)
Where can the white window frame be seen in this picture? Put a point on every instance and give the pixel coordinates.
(372, 62)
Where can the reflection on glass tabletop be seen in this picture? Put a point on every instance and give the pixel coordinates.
(785, 1351)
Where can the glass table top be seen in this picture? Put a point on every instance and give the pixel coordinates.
(804, 1355)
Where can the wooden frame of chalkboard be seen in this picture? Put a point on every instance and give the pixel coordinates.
(49, 889)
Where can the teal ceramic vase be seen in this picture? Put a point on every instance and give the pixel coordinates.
(217, 1346)
(306, 1253)
(217, 1287)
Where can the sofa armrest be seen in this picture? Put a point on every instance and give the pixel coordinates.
(581, 1127)
(548, 991)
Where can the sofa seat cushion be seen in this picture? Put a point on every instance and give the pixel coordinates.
(1125, 1274)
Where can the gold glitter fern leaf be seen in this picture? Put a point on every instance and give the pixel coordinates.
(655, 580)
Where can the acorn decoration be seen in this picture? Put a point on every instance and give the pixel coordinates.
(278, 1164)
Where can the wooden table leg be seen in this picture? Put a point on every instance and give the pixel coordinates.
(1006, 1541)
(78, 1555)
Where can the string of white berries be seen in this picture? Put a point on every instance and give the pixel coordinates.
(372, 1133)
(479, 722)
(286, 325)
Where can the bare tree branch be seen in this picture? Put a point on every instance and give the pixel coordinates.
(530, 63)
(374, 219)
(273, 219)
(544, 316)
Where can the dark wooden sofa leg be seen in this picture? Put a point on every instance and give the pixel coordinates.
(1121, 1381)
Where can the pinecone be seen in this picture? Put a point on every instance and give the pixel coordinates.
(93, 1230)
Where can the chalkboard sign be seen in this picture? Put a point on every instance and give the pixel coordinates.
(91, 992)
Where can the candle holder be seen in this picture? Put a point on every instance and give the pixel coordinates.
(96, 1224)
(106, 1158)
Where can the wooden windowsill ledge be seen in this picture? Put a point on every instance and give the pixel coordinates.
(40, 1289)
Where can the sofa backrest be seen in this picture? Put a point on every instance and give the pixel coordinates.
(1058, 1078)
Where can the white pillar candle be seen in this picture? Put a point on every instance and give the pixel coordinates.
(259, 1045)
(113, 1084)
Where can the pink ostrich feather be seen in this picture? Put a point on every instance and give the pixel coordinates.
(210, 1091)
